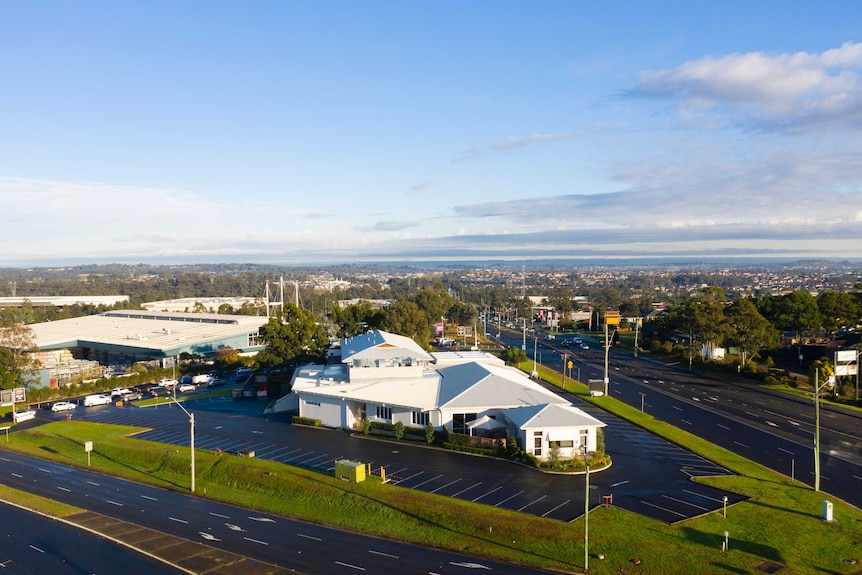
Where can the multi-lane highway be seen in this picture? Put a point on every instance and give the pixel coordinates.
(771, 428)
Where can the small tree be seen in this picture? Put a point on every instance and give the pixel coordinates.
(430, 433)
(554, 455)
(398, 430)
(366, 426)
(513, 355)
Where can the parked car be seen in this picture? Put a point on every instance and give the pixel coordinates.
(143, 387)
(183, 387)
(159, 391)
(186, 379)
(119, 392)
(63, 406)
(168, 382)
(215, 382)
(132, 396)
(98, 399)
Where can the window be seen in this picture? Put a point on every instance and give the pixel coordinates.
(420, 418)
(384, 412)
(460, 421)
(568, 443)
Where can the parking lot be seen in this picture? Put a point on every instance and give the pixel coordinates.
(649, 476)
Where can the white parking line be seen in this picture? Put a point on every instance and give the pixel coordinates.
(467, 489)
(532, 502)
(555, 508)
(663, 508)
(447, 485)
(684, 502)
(427, 481)
(509, 498)
(488, 493)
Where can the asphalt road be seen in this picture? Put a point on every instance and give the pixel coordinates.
(33, 543)
(768, 427)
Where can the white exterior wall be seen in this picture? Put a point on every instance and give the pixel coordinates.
(331, 413)
(526, 441)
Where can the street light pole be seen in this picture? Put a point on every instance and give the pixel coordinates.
(830, 382)
(191, 440)
(586, 516)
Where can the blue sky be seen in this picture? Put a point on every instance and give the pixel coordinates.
(328, 132)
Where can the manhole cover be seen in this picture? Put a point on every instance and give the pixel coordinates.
(770, 567)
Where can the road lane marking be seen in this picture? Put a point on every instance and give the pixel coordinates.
(219, 515)
(256, 541)
(43, 470)
(36, 549)
(785, 450)
(262, 519)
(723, 426)
(383, 554)
(64, 489)
(92, 483)
(686, 422)
(178, 520)
(741, 444)
(148, 497)
(18, 476)
(357, 567)
(618, 483)
(309, 537)
(114, 503)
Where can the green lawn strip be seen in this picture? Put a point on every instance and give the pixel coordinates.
(37, 503)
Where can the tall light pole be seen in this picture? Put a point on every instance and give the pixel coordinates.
(586, 510)
(192, 439)
(829, 383)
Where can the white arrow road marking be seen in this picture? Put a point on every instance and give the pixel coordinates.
(263, 519)
(470, 565)
(234, 527)
(208, 537)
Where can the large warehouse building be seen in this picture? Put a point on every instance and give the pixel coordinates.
(127, 336)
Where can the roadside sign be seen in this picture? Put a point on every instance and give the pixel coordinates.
(612, 318)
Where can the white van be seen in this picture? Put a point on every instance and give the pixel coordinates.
(99, 399)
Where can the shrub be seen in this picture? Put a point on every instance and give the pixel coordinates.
(305, 421)
(398, 429)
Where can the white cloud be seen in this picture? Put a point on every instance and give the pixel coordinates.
(772, 91)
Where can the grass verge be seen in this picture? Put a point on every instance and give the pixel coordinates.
(37, 503)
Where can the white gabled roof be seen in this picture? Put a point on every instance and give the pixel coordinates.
(415, 393)
(549, 416)
(479, 386)
(381, 345)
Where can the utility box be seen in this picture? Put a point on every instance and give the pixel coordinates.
(352, 471)
(827, 511)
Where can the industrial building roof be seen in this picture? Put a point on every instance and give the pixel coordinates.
(157, 333)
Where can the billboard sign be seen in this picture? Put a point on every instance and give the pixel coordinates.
(847, 356)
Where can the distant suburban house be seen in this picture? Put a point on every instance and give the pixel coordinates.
(389, 378)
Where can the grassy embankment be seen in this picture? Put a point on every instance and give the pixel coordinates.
(779, 523)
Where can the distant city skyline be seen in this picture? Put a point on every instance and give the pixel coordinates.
(330, 132)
